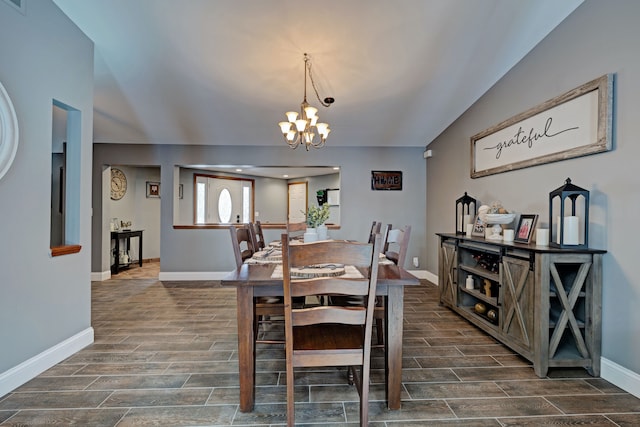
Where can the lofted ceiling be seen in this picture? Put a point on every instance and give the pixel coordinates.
(223, 72)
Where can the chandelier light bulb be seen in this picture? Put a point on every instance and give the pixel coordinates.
(301, 124)
(291, 116)
(310, 112)
(285, 127)
(322, 128)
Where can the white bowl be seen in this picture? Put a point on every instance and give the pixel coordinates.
(497, 218)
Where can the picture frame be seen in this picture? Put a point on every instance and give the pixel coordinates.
(386, 180)
(574, 124)
(153, 190)
(478, 227)
(526, 225)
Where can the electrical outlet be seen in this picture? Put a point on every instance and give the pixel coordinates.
(415, 262)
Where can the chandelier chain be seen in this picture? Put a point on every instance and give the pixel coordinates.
(307, 61)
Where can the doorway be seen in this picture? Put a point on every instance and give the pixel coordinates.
(132, 201)
(297, 202)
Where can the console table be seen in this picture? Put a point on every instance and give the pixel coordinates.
(542, 302)
(125, 235)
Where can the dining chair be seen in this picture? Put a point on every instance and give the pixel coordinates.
(242, 243)
(242, 240)
(258, 241)
(396, 244)
(296, 229)
(375, 229)
(394, 248)
(329, 335)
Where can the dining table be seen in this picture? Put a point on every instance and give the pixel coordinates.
(257, 279)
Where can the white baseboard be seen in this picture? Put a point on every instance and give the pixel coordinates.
(620, 376)
(29, 369)
(194, 275)
(100, 276)
(433, 278)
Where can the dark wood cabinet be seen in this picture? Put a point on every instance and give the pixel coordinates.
(542, 302)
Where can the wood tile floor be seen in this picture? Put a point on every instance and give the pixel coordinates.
(165, 355)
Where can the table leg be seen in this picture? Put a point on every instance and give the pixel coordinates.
(117, 256)
(393, 345)
(246, 348)
(140, 248)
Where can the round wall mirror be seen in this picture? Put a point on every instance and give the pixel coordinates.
(8, 132)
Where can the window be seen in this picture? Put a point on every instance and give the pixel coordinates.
(225, 205)
(221, 199)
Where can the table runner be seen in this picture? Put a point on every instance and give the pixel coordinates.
(350, 272)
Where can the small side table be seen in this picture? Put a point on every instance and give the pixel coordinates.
(125, 235)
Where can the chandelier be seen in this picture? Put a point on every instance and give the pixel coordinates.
(303, 128)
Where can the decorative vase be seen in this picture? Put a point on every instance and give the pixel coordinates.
(311, 235)
(322, 232)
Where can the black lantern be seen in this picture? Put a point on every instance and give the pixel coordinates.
(569, 217)
(464, 213)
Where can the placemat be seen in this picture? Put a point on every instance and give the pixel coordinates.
(265, 257)
(350, 272)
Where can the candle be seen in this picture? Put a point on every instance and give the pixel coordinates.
(467, 219)
(508, 235)
(571, 231)
(469, 229)
(542, 237)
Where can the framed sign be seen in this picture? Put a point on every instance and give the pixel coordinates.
(386, 180)
(574, 124)
(153, 190)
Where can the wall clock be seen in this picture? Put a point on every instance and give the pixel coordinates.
(8, 132)
(118, 184)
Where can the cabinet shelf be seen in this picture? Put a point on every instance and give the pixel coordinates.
(479, 295)
(480, 272)
(481, 317)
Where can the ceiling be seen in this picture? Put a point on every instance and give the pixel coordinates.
(223, 72)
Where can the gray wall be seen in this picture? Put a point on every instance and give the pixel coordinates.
(43, 300)
(208, 250)
(598, 38)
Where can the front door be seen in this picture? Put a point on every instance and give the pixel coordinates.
(297, 202)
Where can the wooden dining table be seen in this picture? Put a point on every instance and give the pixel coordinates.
(255, 280)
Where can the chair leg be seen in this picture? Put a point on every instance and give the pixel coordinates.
(364, 395)
(380, 331)
(291, 414)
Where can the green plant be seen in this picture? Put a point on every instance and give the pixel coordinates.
(317, 215)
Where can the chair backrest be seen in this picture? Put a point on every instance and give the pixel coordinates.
(342, 254)
(375, 229)
(258, 241)
(296, 229)
(242, 243)
(396, 244)
(385, 238)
